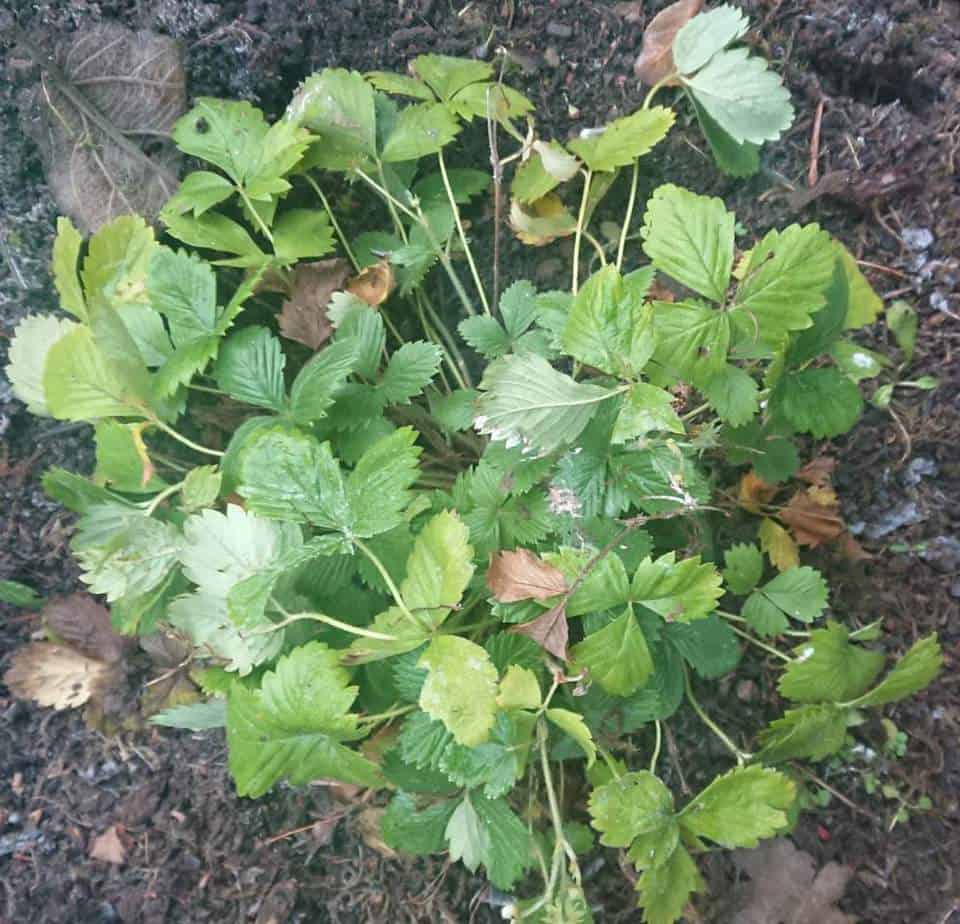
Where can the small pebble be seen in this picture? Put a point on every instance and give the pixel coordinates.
(917, 238)
(552, 57)
(559, 29)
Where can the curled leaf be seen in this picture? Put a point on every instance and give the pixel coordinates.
(550, 631)
(656, 53)
(541, 222)
(521, 575)
(304, 315)
(56, 676)
(753, 492)
(374, 284)
(85, 625)
(813, 516)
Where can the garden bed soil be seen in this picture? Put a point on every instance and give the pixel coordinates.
(889, 152)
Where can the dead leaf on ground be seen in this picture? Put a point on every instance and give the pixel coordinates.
(813, 516)
(131, 81)
(304, 314)
(786, 887)
(521, 575)
(656, 53)
(108, 847)
(368, 824)
(851, 550)
(57, 676)
(374, 284)
(753, 492)
(818, 471)
(85, 625)
(549, 630)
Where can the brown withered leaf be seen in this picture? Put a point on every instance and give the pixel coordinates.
(549, 630)
(786, 886)
(656, 53)
(818, 471)
(814, 516)
(521, 575)
(850, 549)
(85, 625)
(542, 222)
(368, 825)
(57, 676)
(304, 314)
(105, 143)
(374, 284)
(753, 492)
(109, 848)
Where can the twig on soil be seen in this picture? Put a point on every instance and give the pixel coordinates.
(813, 173)
(908, 443)
(849, 803)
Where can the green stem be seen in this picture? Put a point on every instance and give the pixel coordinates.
(459, 366)
(256, 215)
(741, 756)
(767, 648)
(609, 761)
(158, 499)
(631, 201)
(462, 233)
(656, 747)
(196, 447)
(447, 265)
(733, 617)
(555, 817)
(394, 590)
(596, 246)
(656, 88)
(581, 219)
(333, 221)
(391, 201)
(386, 716)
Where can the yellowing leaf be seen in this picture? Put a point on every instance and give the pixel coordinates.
(779, 545)
(541, 222)
(753, 492)
(521, 575)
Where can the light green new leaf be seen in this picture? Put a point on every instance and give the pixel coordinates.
(66, 254)
(201, 488)
(829, 669)
(467, 838)
(665, 890)
(413, 831)
(706, 34)
(621, 142)
(572, 724)
(226, 133)
(690, 238)
(744, 568)
(294, 725)
(421, 129)
(708, 645)
(519, 689)
(300, 234)
(440, 565)
(446, 75)
(632, 806)
(748, 101)
(250, 368)
(741, 807)
(32, 341)
(914, 671)
(684, 590)
(864, 306)
(316, 386)
(526, 401)
(815, 731)
(902, 322)
(410, 370)
(645, 408)
(821, 401)
(616, 656)
(460, 689)
(115, 267)
(199, 192)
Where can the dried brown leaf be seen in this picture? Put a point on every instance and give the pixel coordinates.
(521, 575)
(818, 471)
(304, 314)
(549, 631)
(57, 676)
(85, 625)
(374, 284)
(542, 222)
(656, 53)
(851, 550)
(753, 492)
(108, 847)
(813, 516)
(786, 887)
(368, 824)
(135, 82)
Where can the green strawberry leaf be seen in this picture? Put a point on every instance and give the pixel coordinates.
(665, 889)
(744, 568)
(684, 590)
(33, 339)
(815, 731)
(250, 368)
(821, 401)
(625, 139)
(616, 656)
(416, 831)
(912, 673)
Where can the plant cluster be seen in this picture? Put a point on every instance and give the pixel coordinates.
(398, 578)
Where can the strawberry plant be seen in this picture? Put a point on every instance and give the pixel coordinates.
(457, 575)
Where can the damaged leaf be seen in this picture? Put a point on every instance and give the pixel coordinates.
(521, 575)
(57, 676)
(304, 315)
(656, 53)
(550, 631)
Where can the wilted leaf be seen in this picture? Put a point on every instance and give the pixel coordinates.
(550, 631)
(108, 847)
(374, 284)
(753, 492)
(778, 544)
(818, 471)
(85, 625)
(541, 222)
(814, 516)
(785, 886)
(304, 315)
(56, 676)
(135, 81)
(656, 53)
(521, 575)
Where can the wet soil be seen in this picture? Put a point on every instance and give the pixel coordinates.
(886, 74)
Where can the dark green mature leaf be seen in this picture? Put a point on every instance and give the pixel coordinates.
(17, 594)
(497, 763)
(814, 731)
(300, 234)
(635, 806)
(733, 394)
(709, 645)
(738, 160)
(510, 852)
(914, 671)
(414, 831)
(692, 342)
(821, 401)
(744, 568)
(421, 129)
(410, 370)
(318, 382)
(646, 408)
(250, 368)
(294, 725)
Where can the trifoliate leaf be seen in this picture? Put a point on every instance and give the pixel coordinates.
(763, 616)
(421, 129)
(814, 731)
(635, 805)
(733, 394)
(410, 370)
(645, 408)
(616, 656)
(744, 568)
(709, 645)
(621, 142)
(193, 716)
(741, 807)
(914, 671)
(706, 34)
(572, 724)
(293, 726)
(316, 386)
(496, 764)
(605, 587)
(33, 338)
(446, 75)
(519, 689)
(460, 689)
(821, 401)
(418, 832)
(300, 234)
(250, 368)
(684, 590)
(665, 890)
(800, 593)
(526, 401)
(690, 238)
(829, 669)
(692, 342)
(748, 101)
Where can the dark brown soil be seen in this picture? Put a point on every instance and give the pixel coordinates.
(887, 73)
